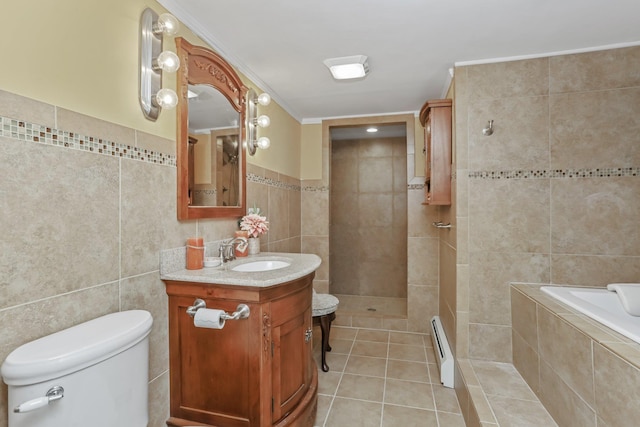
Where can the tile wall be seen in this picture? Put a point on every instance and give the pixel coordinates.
(369, 217)
(82, 229)
(553, 194)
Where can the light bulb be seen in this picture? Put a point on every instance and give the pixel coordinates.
(166, 98)
(263, 142)
(167, 24)
(168, 61)
(263, 121)
(264, 99)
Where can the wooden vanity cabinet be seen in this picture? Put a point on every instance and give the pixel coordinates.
(435, 116)
(253, 372)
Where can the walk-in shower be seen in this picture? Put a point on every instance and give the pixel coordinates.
(368, 220)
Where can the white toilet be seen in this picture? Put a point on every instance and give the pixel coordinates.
(95, 373)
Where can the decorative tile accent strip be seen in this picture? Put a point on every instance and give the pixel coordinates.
(313, 189)
(251, 177)
(324, 188)
(31, 132)
(557, 173)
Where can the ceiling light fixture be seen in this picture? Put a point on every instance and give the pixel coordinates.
(348, 67)
(372, 129)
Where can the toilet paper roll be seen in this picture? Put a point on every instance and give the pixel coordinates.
(209, 318)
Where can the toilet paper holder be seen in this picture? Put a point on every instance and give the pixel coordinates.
(242, 311)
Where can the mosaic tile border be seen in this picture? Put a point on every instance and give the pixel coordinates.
(32, 132)
(324, 188)
(251, 177)
(314, 189)
(557, 173)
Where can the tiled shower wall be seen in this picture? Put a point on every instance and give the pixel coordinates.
(553, 195)
(83, 223)
(369, 217)
(422, 238)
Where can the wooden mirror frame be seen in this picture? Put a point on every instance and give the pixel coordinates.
(200, 65)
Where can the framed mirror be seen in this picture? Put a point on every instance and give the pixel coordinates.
(211, 132)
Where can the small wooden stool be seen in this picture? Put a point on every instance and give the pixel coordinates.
(324, 308)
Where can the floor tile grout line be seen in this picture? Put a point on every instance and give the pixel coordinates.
(386, 373)
(482, 390)
(513, 398)
(335, 393)
(433, 392)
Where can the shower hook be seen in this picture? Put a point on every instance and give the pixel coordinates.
(487, 131)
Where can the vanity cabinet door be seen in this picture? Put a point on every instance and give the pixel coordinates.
(435, 116)
(291, 349)
(213, 377)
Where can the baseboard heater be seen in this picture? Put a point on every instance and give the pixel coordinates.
(443, 352)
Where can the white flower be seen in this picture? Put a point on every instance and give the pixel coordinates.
(254, 223)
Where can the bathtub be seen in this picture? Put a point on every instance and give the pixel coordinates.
(599, 304)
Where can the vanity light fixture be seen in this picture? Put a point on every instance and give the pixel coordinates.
(263, 99)
(167, 61)
(165, 98)
(263, 121)
(254, 121)
(154, 61)
(348, 67)
(263, 143)
(166, 24)
(372, 129)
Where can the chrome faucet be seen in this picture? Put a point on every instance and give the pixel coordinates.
(227, 249)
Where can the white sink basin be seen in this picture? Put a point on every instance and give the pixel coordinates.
(265, 265)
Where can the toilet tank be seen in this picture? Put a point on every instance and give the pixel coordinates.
(102, 365)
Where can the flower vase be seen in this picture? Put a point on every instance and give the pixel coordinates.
(254, 245)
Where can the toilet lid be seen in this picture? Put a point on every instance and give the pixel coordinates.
(75, 348)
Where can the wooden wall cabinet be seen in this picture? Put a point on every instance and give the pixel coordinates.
(435, 116)
(254, 372)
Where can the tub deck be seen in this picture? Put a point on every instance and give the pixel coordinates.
(599, 304)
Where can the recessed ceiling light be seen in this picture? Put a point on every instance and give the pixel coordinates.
(372, 129)
(348, 67)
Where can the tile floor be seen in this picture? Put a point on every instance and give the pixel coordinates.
(382, 378)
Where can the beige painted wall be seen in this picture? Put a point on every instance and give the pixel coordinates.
(311, 152)
(83, 56)
(285, 134)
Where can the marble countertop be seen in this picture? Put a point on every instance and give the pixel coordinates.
(301, 265)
